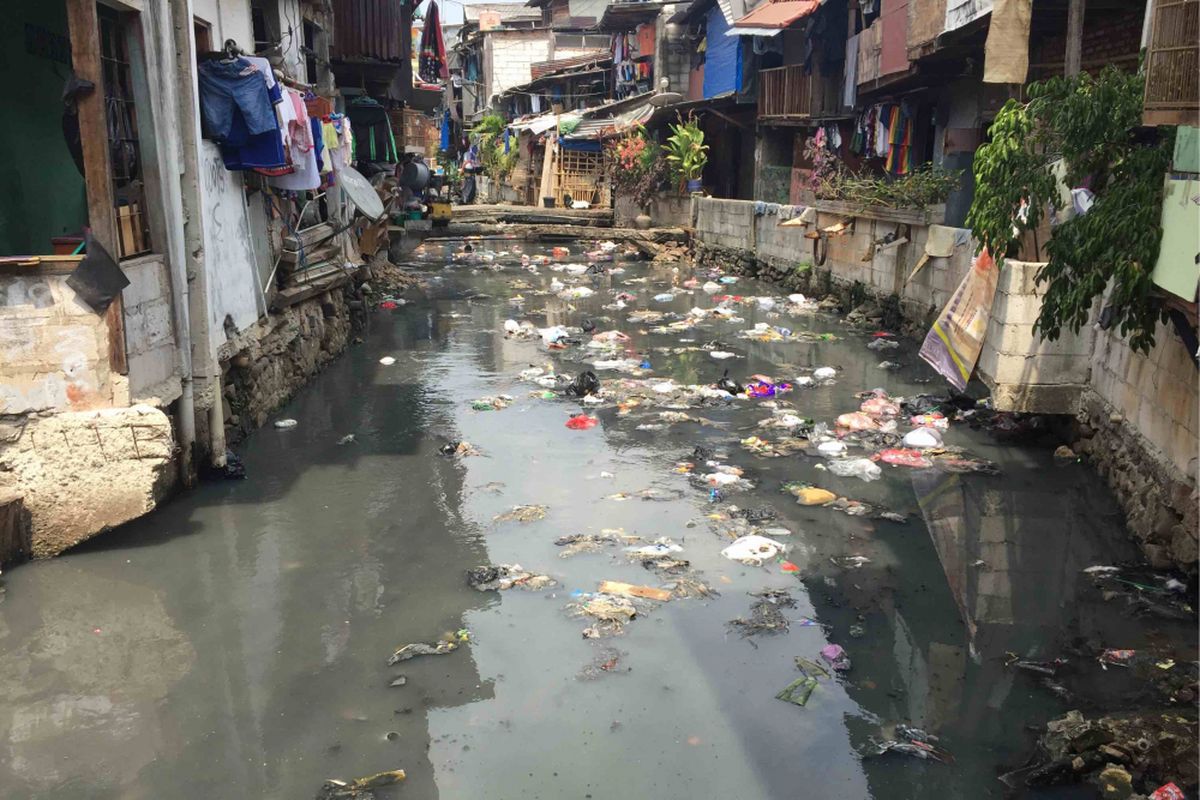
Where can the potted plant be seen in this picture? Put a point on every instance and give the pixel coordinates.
(639, 170)
(686, 153)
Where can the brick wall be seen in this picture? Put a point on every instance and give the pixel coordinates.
(509, 56)
(1108, 34)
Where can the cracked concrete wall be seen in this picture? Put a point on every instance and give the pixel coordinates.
(83, 472)
(55, 347)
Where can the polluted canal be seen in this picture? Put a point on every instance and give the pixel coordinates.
(725, 567)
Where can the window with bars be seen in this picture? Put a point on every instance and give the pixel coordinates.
(124, 147)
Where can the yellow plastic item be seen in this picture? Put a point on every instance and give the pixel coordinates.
(812, 496)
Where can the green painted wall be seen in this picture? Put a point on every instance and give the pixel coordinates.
(42, 191)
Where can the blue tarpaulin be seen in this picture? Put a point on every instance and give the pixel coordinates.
(722, 57)
(583, 145)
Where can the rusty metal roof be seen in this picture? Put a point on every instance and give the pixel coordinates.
(540, 68)
(368, 29)
(778, 14)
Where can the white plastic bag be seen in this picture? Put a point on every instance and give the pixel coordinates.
(753, 550)
(863, 468)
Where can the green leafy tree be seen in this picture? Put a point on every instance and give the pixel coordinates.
(1091, 122)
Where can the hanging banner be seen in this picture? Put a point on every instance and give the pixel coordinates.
(952, 346)
(960, 12)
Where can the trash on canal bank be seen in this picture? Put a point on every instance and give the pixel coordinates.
(606, 662)
(360, 789)
(753, 550)
(632, 590)
(798, 691)
(1154, 748)
(505, 576)
(529, 513)
(836, 657)
(766, 614)
(439, 648)
(915, 743)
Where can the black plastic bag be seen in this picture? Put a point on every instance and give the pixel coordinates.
(585, 383)
(98, 279)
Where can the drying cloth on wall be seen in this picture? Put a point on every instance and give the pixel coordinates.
(943, 240)
(432, 66)
(723, 57)
(373, 140)
(1006, 52)
(850, 84)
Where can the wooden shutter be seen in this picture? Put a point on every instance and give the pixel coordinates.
(1173, 64)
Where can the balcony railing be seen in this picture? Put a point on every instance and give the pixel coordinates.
(788, 93)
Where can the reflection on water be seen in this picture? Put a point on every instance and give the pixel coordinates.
(234, 643)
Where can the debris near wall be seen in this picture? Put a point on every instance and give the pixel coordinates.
(1119, 754)
(1162, 507)
(279, 355)
(387, 278)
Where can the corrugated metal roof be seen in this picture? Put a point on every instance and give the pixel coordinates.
(778, 15)
(732, 9)
(628, 15)
(368, 29)
(506, 11)
(540, 68)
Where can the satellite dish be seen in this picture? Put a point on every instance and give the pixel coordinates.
(665, 99)
(361, 193)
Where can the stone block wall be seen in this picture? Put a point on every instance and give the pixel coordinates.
(80, 473)
(849, 259)
(666, 211)
(1137, 423)
(154, 375)
(268, 363)
(1024, 371)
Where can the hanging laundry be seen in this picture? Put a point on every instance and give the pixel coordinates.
(900, 134)
(373, 131)
(432, 67)
(301, 173)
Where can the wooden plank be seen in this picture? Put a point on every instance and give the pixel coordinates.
(298, 294)
(311, 255)
(38, 260)
(1074, 55)
(97, 172)
(631, 590)
(308, 236)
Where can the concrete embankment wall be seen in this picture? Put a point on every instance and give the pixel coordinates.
(85, 448)
(1136, 414)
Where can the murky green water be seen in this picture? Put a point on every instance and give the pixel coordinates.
(233, 644)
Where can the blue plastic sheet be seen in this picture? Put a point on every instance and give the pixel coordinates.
(722, 58)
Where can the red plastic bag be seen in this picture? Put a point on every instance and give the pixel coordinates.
(903, 457)
(1168, 792)
(581, 422)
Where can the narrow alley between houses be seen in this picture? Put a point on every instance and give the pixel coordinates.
(831, 580)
